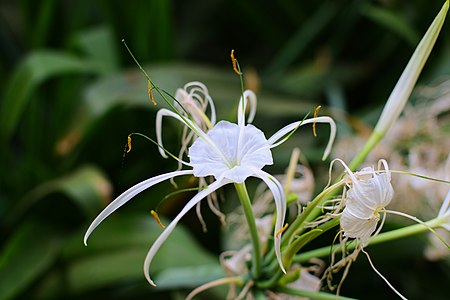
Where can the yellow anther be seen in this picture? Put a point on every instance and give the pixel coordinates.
(150, 92)
(155, 215)
(281, 230)
(234, 62)
(316, 112)
(129, 144)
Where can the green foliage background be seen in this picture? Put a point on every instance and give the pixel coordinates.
(70, 95)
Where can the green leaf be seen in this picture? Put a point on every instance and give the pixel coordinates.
(115, 255)
(26, 255)
(190, 276)
(300, 40)
(87, 187)
(393, 22)
(100, 45)
(34, 70)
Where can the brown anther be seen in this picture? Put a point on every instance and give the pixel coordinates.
(234, 62)
(155, 215)
(129, 144)
(150, 92)
(281, 230)
(316, 112)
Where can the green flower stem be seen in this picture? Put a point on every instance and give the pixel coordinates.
(294, 247)
(381, 238)
(310, 294)
(247, 207)
(298, 225)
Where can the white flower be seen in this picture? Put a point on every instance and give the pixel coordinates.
(229, 152)
(369, 193)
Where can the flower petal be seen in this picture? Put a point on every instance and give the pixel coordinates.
(247, 95)
(276, 139)
(165, 234)
(127, 195)
(280, 202)
(445, 211)
(197, 86)
(355, 227)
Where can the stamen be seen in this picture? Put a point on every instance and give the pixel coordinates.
(129, 144)
(234, 62)
(281, 230)
(150, 92)
(316, 112)
(155, 215)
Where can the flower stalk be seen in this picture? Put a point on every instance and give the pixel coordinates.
(380, 238)
(249, 216)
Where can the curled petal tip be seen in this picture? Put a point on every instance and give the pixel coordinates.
(147, 276)
(85, 239)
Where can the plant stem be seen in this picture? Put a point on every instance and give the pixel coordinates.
(247, 207)
(310, 294)
(381, 238)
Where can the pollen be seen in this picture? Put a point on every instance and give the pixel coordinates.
(234, 62)
(281, 230)
(316, 112)
(150, 92)
(155, 215)
(129, 144)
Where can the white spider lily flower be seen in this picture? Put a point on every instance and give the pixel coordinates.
(369, 192)
(230, 153)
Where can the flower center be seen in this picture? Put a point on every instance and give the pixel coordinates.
(233, 152)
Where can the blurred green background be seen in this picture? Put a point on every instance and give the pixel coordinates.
(70, 95)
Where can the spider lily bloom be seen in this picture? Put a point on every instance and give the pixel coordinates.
(368, 194)
(230, 153)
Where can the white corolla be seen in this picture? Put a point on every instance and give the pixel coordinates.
(230, 153)
(369, 193)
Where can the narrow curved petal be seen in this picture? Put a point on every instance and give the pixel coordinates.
(277, 138)
(445, 211)
(165, 234)
(159, 115)
(204, 90)
(127, 195)
(247, 95)
(188, 123)
(280, 203)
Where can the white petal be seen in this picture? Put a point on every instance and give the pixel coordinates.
(128, 194)
(355, 227)
(242, 108)
(280, 203)
(445, 211)
(168, 230)
(191, 125)
(367, 196)
(276, 139)
(204, 91)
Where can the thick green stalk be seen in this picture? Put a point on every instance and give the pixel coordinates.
(247, 207)
(381, 238)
